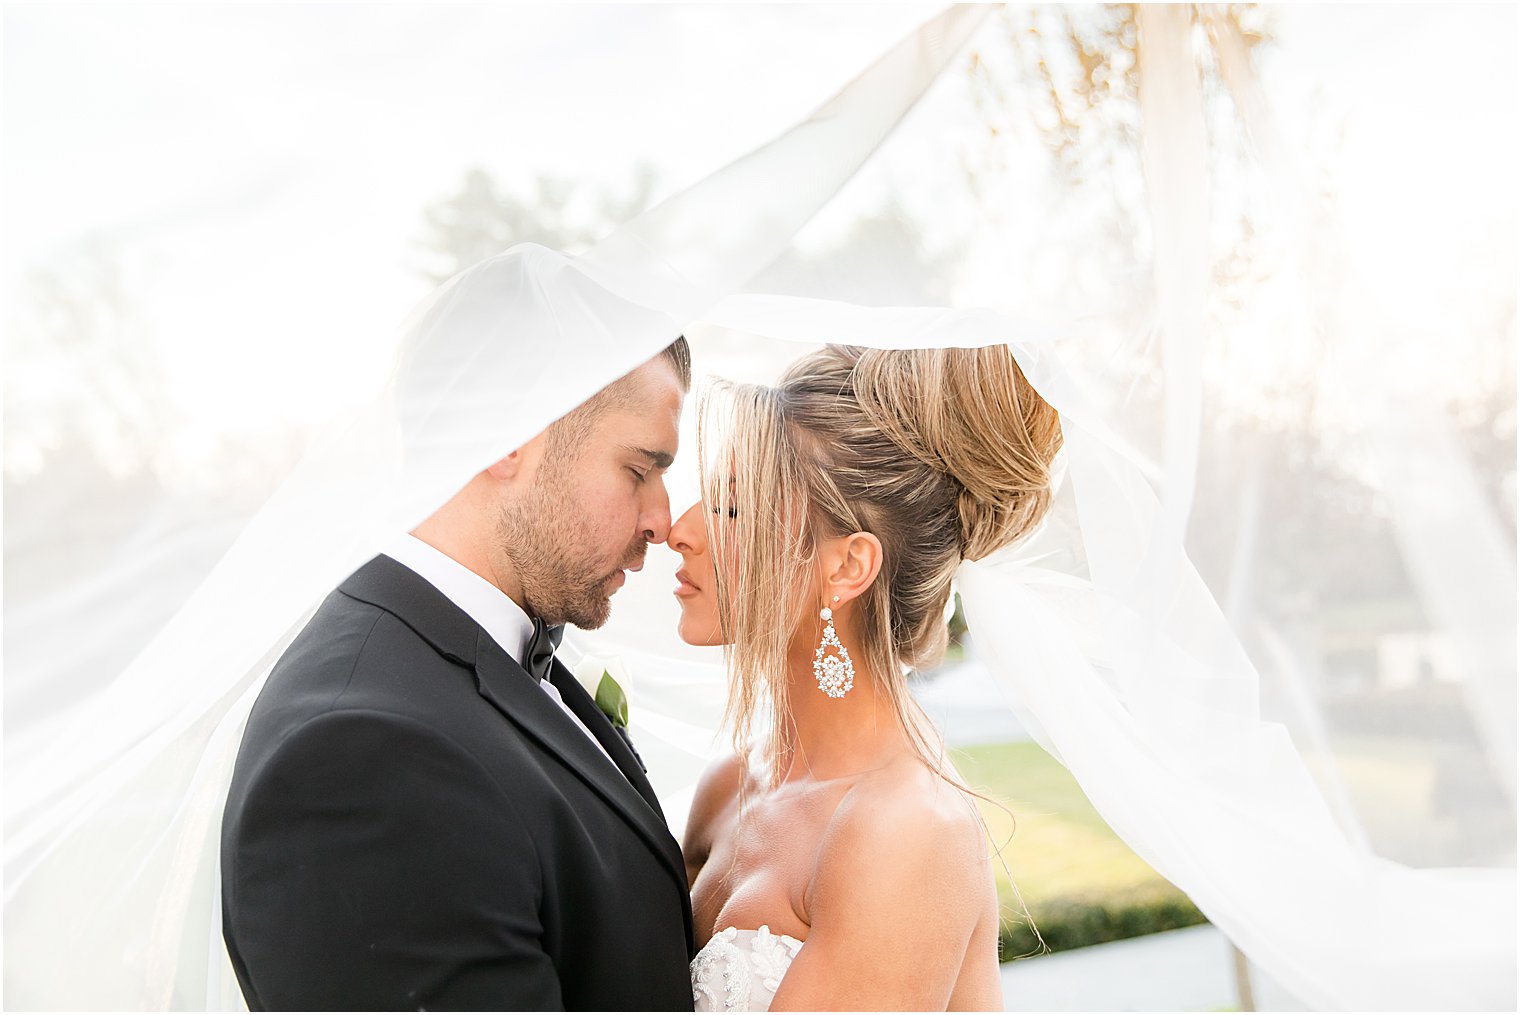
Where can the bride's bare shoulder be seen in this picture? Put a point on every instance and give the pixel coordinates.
(901, 884)
(719, 783)
(907, 799)
(907, 815)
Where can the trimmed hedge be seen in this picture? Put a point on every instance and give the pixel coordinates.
(1076, 922)
(1081, 883)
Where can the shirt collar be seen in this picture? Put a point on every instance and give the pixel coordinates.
(483, 602)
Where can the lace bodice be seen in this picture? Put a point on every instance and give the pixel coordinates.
(741, 970)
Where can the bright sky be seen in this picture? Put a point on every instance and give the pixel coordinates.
(263, 169)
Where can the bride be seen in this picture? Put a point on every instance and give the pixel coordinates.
(841, 863)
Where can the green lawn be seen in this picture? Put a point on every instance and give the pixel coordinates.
(1080, 882)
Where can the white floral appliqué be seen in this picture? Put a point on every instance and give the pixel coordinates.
(741, 970)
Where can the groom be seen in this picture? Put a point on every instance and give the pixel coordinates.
(427, 810)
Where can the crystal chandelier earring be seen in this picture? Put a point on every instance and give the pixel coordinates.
(835, 673)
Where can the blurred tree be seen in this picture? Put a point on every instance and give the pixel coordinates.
(1485, 418)
(84, 414)
(880, 260)
(481, 219)
(92, 434)
(82, 373)
(1067, 76)
(1288, 529)
(1067, 79)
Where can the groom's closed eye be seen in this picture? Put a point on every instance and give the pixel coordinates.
(654, 462)
(660, 460)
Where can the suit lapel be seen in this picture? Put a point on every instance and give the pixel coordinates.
(517, 696)
(596, 721)
(413, 600)
(621, 752)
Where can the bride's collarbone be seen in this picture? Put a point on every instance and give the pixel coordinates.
(763, 861)
(793, 817)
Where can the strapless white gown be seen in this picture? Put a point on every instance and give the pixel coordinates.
(741, 970)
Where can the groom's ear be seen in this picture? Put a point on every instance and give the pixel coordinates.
(853, 563)
(520, 463)
(507, 468)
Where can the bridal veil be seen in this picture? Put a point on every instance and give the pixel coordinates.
(1103, 638)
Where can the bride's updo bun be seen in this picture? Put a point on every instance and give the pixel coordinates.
(970, 414)
(944, 455)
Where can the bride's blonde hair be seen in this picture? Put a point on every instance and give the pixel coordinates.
(942, 454)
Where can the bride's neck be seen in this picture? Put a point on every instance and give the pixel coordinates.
(835, 737)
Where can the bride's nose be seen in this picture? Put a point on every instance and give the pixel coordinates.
(687, 535)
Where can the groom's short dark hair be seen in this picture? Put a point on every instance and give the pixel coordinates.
(567, 433)
(679, 355)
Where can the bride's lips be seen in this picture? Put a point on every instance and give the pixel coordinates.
(687, 587)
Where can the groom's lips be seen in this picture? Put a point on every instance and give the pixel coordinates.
(620, 576)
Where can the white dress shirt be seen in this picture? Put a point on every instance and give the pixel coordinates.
(485, 604)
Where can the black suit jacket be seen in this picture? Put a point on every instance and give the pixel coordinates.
(413, 823)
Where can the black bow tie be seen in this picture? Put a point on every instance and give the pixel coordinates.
(541, 646)
(540, 656)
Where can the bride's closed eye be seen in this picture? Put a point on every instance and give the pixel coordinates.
(733, 512)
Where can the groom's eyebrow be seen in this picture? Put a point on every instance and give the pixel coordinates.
(659, 459)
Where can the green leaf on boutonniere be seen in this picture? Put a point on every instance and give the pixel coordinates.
(611, 700)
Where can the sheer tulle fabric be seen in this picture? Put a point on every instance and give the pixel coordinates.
(1154, 710)
(112, 817)
(1107, 643)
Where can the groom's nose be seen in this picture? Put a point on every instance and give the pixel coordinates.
(656, 517)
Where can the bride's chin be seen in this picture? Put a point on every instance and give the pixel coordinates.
(687, 634)
(694, 633)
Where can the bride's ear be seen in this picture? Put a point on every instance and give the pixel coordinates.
(851, 564)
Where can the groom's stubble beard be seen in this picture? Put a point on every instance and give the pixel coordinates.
(551, 545)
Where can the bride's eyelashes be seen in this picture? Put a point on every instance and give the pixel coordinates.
(733, 512)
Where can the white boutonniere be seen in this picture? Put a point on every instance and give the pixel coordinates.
(607, 679)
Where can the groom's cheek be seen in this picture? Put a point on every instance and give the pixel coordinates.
(614, 509)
